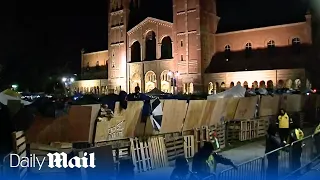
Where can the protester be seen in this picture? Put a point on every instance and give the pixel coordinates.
(283, 122)
(272, 143)
(205, 160)
(316, 136)
(296, 147)
(181, 169)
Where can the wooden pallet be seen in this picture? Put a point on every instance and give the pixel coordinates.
(20, 148)
(263, 125)
(174, 146)
(242, 130)
(148, 154)
(189, 146)
(200, 136)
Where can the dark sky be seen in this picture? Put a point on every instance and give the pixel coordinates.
(41, 36)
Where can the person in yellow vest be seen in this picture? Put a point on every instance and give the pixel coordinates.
(205, 161)
(295, 138)
(284, 125)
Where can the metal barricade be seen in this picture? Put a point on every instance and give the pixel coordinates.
(280, 163)
(252, 168)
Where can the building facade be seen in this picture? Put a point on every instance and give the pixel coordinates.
(189, 56)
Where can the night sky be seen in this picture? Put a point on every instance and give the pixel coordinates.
(40, 38)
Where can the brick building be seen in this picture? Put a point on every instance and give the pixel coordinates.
(188, 55)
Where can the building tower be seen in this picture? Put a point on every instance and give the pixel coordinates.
(117, 37)
(194, 26)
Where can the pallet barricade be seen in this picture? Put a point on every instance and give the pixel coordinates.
(174, 146)
(246, 129)
(148, 154)
(20, 148)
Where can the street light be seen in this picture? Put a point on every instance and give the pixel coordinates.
(174, 76)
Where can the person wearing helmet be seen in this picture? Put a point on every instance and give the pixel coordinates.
(205, 161)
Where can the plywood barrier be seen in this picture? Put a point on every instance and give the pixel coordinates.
(246, 108)
(115, 129)
(148, 154)
(118, 110)
(269, 105)
(102, 132)
(220, 130)
(174, 113)
(193, 117)
(207, 113)
(133, 125)
(292, 102)
(218, 112)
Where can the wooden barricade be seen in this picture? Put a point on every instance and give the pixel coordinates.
(246, 130)
(200, 136)
(189, 146)
(174, 146)
(20, 148)
(148, 154)
(220, 130)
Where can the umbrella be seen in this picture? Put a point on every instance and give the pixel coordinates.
(156, 113)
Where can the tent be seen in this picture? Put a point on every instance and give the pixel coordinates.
(236, 91)
(155, 91)
(4, 97)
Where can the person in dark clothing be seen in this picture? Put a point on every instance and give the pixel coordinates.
(296, 135)
(181, 169)
(272, 143)
(200, 164)
(126, 170)
(316, 136)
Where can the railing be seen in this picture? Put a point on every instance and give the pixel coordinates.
(278, 164)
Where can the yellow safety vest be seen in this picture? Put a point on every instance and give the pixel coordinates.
(212, 164)
(317, 130)
(299, 134)
(283, 121)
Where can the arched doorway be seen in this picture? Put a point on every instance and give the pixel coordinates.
(166, 82)
(150, 81)
(280, 84)
(297, 84)
(231, 85)
(262, 84)
(166, 48)
(151, 46)
(270, 84)
(191, 90)
(136, 52)
(288, 84)
(210, 88)
(135, 82)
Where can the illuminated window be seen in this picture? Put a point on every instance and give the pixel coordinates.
(271, 44)
(295, 41)
(227, 48)
(248, 50)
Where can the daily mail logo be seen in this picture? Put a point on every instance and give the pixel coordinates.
(56, 160)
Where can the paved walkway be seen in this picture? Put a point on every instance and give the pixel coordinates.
(237, 155)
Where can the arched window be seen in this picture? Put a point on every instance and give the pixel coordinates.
(270, 84)
(271, 44)
(231, 84)
(136, 52)
(248, 50)
(295, 41)
(227, 51)
(151, 46)
(166, 48)
(296, 45)
(238, 83)
(248, 46)
(262, 84)
(227, 48)
(245, 84)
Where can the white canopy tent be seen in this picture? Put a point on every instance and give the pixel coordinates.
(236, 91)
(4, 99)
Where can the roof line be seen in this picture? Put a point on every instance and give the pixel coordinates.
(146, 20)
(260, 29)
(96, 52)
